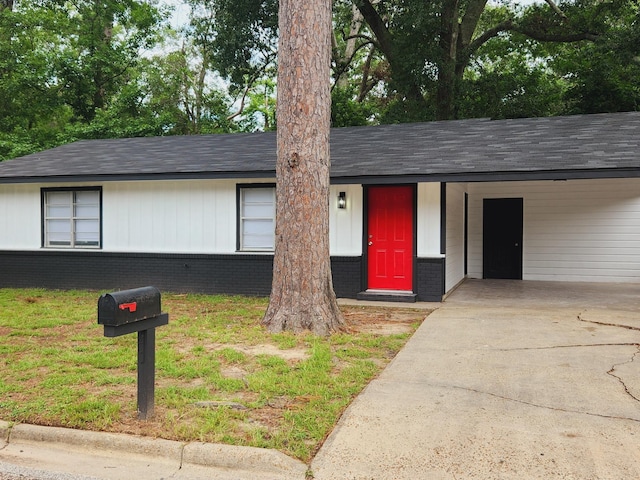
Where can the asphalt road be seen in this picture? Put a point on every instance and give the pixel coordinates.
(14, 472)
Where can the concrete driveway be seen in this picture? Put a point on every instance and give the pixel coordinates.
(507, 380)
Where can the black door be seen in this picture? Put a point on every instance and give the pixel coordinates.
(502, 238)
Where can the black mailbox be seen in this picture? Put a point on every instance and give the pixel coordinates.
(130, 311)
(128, 306)
(136, 310)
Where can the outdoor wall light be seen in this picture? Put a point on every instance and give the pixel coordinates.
(342, 200)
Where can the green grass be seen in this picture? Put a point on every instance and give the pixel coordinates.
(57, 368)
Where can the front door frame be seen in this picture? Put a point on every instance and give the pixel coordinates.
(365, 232)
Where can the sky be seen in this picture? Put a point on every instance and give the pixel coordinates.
(180, 14)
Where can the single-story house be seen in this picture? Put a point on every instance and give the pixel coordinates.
(415, 208)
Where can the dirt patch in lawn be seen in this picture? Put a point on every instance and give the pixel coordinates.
(382, 321)
(292, 354)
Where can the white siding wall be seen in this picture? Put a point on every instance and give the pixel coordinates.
(428, 220)
(454, 261)
(345, 225)
(194, 216)
(20, 222)
(185, 216)
(578, 230)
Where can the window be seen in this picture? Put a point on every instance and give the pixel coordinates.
(71, 218)
(257, 213)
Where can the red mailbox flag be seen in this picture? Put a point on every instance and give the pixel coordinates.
(132, 307)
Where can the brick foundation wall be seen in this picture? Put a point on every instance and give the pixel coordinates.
(242, 274)
(229, 274)
(430, 279)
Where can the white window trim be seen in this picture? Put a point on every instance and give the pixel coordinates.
(243, 219)
(72, 219)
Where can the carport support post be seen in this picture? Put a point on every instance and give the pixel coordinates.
(146, 372)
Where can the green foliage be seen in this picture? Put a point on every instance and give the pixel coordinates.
(72, 71)
(60, 65)
(260, 113)
(515, 76)
(27, 54)
(104, 40)
(347, 112)
(400, 109)
(603, 76)
(85, 69)
(240, 35)
(30, 106)
(509, 79)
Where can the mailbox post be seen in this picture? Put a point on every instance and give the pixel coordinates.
(136, 310)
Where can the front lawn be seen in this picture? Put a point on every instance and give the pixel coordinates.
(220, 377)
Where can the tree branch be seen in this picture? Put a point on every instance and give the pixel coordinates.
(366, 86)
(378, 27)
(344, 64)
(386, 46)
(488, 35)
(510, 26)
(367, 38)
(470, 22)
(252, 80)
(556, 9)
(554, 37)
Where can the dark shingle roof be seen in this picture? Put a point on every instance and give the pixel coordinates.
(581, 146)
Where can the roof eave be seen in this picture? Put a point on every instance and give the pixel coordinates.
(137, 177)
(453, 177)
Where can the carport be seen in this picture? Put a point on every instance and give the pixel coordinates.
(549, 199)
(575, 230)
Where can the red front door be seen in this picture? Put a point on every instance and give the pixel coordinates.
(390, 238)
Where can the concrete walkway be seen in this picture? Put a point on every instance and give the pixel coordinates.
(508, 380)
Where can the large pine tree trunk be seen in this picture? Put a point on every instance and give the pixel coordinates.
(302, 296)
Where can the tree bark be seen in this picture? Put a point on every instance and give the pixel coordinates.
(448, 44)
(302, 295)
(455, 37)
